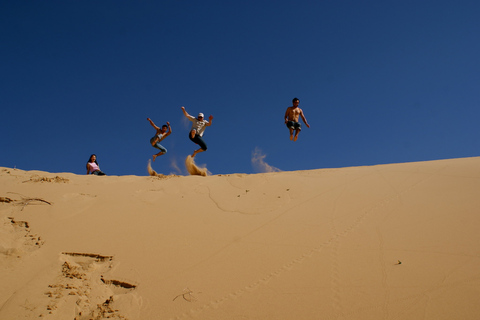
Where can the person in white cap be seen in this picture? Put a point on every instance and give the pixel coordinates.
(198, 127)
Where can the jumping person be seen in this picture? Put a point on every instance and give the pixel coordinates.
(160, 134)
(198, 127)
(291, 119)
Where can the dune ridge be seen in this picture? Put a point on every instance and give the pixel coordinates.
(378, 242)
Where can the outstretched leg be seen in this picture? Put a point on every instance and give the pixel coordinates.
(157, 155)
(291, 133)
(203, 146)
(158, 146)
(197, 140)
(197, 151)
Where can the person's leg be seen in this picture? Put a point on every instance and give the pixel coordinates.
(203, 146)
(153, 141)
(157, 155)
(197, 151)
(193, 132)
(296, 135)
(298, 128)
(162, 149)
(290, 127)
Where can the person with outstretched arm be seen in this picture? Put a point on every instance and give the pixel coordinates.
(196, 132)
(160, 134)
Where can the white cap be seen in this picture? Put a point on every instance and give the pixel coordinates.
(200, 115)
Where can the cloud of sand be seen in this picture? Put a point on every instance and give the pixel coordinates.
(151, 172)
(186, 123)
(259, 163)
(174, 165)
(193, 169)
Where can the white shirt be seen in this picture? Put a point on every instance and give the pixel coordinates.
(198, 125)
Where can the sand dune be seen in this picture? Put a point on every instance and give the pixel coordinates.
(397, 241)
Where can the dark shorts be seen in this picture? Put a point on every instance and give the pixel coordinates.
(294, 125)
(198, 140)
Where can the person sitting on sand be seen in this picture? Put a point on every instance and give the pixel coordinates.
(160, 134)
(198, 127)
(291, 119)
(92, 166)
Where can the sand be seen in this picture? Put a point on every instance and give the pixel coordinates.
(398, 241)
(193, 169)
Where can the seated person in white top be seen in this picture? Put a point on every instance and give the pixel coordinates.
(92, 166)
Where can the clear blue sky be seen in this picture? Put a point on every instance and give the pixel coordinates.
(379, 82)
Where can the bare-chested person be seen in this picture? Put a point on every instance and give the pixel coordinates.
(291, 119)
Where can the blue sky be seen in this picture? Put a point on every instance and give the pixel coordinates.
(379, 82)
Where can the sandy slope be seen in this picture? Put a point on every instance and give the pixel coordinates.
(397, 241)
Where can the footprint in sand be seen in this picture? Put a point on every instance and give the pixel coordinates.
(84, 291)
(17, 240)
(56, 179)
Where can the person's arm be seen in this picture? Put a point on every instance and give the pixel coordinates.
(88, 168)
(286, 114)
(189, 117)
(153, 124)
(304, 120)
(169, 130)
(209, 121)
(185, 112)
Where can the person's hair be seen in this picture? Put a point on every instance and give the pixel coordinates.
(295, 99)
(164, 126)
(90, 160)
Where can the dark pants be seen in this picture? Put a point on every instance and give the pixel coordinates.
(198, 140)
